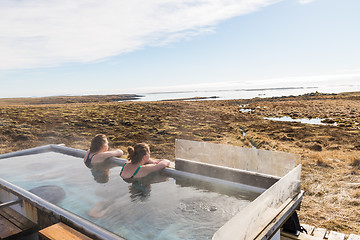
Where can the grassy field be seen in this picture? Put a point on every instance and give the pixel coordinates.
(330, 153)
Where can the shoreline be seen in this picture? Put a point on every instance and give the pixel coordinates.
(98, 98)
(330, 154)
(68, 99)
(201, 93)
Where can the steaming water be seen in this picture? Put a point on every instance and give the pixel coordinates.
(159, 207)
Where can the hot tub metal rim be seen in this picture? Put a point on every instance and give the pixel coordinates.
(30, 151)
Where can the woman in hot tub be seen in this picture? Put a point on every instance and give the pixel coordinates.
(96, 156)
(99, 151)
(140, 164)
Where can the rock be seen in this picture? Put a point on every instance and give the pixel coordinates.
(126, 123)
(316, 147)
(50, 193)
(22, 137)
(286, 138)
(328, 121)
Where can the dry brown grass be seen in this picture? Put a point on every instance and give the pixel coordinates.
(332, 185)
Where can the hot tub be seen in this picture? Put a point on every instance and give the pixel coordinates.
(197, 200)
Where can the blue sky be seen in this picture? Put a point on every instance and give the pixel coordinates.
(68, 47)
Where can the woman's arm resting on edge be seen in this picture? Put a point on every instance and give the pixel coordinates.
(163, 163)
(114, 153)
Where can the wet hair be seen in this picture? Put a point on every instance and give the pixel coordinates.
(137, 152)
(97, 142)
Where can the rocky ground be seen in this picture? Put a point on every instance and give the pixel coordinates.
(330, 153)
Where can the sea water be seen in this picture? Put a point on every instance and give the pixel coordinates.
(158, 207)
(248, 90)
(223, 94)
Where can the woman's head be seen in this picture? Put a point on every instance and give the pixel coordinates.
(98, 142)
(137, 152)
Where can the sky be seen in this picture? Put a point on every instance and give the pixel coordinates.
(79, 47)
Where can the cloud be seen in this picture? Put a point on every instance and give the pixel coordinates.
(38, 33)
(305, 1)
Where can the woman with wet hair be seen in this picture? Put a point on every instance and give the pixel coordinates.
(99, 151)
(140, 164)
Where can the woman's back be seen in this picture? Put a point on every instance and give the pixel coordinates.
(140, 163)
